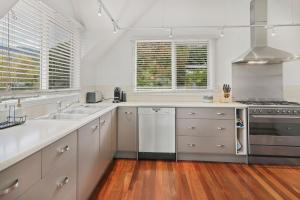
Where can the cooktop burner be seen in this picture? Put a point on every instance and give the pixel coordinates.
(267, 103)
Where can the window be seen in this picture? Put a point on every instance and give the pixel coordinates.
(172, 65)
(39, 49)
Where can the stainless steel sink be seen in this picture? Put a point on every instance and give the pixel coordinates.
(64, 116)
(74, 113)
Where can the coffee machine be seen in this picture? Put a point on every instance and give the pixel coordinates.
(117, 95)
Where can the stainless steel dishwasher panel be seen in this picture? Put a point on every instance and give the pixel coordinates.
(156, 130)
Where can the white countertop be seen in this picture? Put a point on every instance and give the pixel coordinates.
(19, 142)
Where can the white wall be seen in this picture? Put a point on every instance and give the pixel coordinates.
(115, 67)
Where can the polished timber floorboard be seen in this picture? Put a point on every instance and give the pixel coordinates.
(163, 180)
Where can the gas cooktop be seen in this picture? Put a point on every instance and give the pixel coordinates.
(269, 103)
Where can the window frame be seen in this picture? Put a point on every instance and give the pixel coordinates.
(174, 89)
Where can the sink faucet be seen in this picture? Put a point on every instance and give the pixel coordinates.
(59, 106)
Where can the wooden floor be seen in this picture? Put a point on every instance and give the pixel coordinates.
(164, 180)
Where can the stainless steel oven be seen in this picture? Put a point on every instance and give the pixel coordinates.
(274, 135)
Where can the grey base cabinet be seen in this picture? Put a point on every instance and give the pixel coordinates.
(59, 171)
(205, 134)
(18, 178)
(88, 159)
(106, 154)
(127, 132)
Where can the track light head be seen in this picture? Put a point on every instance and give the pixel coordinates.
(222, 34)
(115, 28)
(171, 33)
(273, 32)
(100, 9)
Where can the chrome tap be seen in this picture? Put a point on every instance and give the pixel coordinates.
(59, 106)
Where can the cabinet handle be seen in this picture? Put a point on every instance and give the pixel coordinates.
(102, 122)
(220, 128)
(63, 149)
(220, 145)
(220, 113)
(192, 127)
(94, 128)
(191, 113)
(10, 188)
(63, 182)
(191, 145)
(128, 113)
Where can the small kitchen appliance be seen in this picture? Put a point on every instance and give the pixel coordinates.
(117, 95)
(94, 97)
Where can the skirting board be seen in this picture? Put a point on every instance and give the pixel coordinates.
(212, 158)
(126, 154)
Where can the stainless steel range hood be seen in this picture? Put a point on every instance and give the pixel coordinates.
(260, 52)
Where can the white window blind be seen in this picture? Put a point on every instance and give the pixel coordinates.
(39, 49)
(154, 65)
(191, 65)
(171, 65)
(20, 48)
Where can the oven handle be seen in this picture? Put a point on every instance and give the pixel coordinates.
(276, 116)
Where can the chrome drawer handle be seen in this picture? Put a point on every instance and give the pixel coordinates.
(221, 145)
(102, 122)
(192, 127)
(128, 113)
(63, 149)
(10, 188)
(63, 182)
(94, 128)
(191, 113)
(220, 128)
(219, 113)
(191, 145)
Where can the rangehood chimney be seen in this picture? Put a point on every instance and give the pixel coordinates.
(260, 52)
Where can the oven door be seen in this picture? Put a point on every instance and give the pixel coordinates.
(277, 130)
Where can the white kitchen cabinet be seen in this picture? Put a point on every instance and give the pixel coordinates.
(88, 159)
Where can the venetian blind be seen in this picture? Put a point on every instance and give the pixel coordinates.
(39, 49)
(191, 65)
(154, 65)
(20, 48)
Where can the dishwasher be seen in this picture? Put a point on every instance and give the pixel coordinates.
(156, 133)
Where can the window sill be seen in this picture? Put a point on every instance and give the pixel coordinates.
(172, 92)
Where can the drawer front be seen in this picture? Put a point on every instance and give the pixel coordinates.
(59, 153)
(215, 145)
(205, 127)
(17, 179)
(58, 184)
(206, 113)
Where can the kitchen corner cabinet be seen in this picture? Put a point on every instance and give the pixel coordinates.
(88, 159)
(127, 132)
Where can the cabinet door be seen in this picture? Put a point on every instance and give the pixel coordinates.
(127, 125)
(88, 159)
(114, 131)
(105, 142)
(15, 180)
